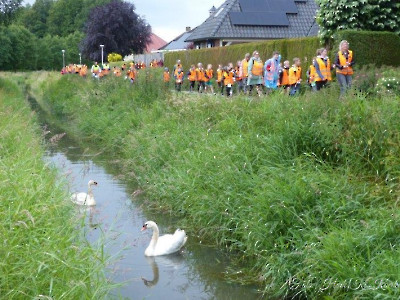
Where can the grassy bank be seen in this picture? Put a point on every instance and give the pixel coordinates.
(43, 252)
(304, 191)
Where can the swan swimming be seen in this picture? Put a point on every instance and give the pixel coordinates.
(165, 244)
(85, 198)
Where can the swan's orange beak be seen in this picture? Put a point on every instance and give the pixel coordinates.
(144, 227)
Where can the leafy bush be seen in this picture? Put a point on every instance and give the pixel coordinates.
(376, 15)
(114, 57)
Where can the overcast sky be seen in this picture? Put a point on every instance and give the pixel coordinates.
(169, 18)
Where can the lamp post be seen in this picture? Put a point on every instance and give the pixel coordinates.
(80, 58)
(63, 52)
(101, 46)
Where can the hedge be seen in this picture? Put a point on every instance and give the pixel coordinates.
(304, 48)
(370, 47)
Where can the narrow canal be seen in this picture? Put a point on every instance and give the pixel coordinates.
(195, 273)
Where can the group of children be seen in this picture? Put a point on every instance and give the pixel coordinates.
(251, 73)
(246, 76)
(229, 78)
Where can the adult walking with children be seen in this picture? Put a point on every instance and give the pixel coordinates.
(344, 62)
(255, 73)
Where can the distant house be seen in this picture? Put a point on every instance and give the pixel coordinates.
(239, 21)
(155, 43)
(179, 43)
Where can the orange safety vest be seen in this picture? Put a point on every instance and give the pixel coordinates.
(167, 77)
(285, 77)
(210, 74)
(200, 74)
(228, 77)
(83, 71)
(237, 74)
(245, 66)
(192, 75)
(311, 73)
(176, 67)
(257, 69)
(343, 61)
(131, 74)
(179, 77)
(294, 74)
(324, 69)
(220, 73)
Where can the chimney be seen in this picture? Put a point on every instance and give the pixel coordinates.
(188, 28)
(212, 10)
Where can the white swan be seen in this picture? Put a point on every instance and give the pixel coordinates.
(85, 198)
(166, 244)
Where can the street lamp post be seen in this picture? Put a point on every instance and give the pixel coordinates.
(63, 52)
(80, 58)
(101, 46)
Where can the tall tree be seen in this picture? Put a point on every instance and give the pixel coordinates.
(118, 27)
(375, 15)
(8, 8)
(68, 16)
(35, 18)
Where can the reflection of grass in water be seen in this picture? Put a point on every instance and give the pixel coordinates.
(303, 191)
(43, 253)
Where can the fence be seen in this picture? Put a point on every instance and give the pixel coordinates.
(146, 58)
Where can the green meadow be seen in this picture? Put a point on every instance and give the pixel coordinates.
(44, 254)
(302, 191)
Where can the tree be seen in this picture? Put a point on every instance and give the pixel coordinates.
(375, 15)
(35, 18)
(8, 8)
(116, 26)
(19, 48)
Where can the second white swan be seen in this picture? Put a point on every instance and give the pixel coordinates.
(166, 244)
(85, 198)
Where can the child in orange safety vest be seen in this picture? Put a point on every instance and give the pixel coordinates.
(220, 73)
(311, 72)
(179, 75)
(201, 77)
(192, 77)
(166, 77)
(131, 74)
(284, 76)
(295, 77)
(209, 78)
(229, 79)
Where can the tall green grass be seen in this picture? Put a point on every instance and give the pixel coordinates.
(44, 254)
(303, 191)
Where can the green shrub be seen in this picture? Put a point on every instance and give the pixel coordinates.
(114, 57)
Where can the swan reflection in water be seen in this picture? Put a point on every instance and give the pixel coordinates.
(172, 261)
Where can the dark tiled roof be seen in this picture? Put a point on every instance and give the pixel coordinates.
(219, 25)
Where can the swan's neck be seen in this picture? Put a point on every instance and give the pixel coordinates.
(90, 191)
(89, 197)
(154, 238)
